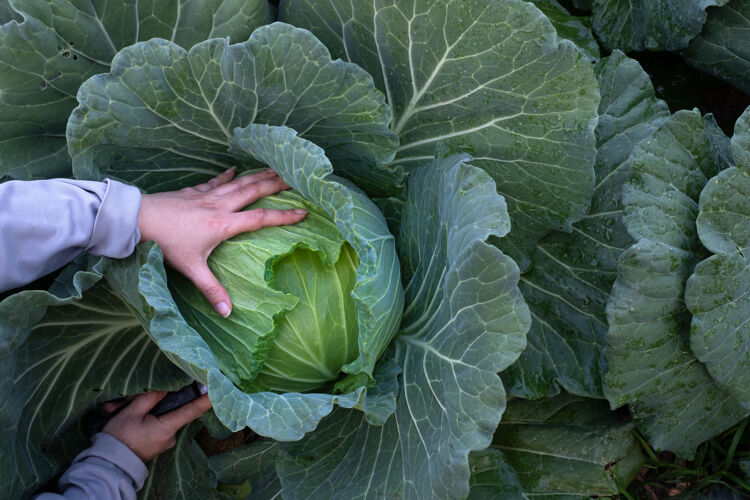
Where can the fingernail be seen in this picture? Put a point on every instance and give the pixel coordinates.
(230, 169)
(299, 211)
(223, 309)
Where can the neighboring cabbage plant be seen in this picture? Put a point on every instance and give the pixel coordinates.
(673, 399)
(718, 292)
(568, 284)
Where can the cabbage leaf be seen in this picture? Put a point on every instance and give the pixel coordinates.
(722, 49)
(673, 399)
(574, 28)
(649, 25)
(61, 43)
(254, 463)
(562, 446)
(164, 117)
(718, 292)
(7, 13)
(486, 77)
(60, 353)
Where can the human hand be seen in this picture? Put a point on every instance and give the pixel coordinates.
(145, 434)
(188, 224)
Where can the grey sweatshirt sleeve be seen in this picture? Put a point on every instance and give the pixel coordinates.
(45, 224)
(108, 470)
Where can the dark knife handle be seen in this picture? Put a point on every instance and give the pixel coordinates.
(175, 399)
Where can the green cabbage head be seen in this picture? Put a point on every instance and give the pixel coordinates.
(294, 323)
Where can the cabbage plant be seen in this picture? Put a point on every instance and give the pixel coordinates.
(426, 299)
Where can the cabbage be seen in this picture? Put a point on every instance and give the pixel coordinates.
(294, 322)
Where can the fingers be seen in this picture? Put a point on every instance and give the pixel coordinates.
(252, 220)
(245, 180)
(217, 181)
(142, 404)
(209, 286)
(248, 193)
(175, 419)
(236, 223)
(245, 190)
(111, 406)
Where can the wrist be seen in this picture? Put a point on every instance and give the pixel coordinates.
(145, 218)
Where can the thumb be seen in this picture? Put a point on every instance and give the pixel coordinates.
(203, 278)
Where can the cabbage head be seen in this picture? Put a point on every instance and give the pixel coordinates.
(294, 322)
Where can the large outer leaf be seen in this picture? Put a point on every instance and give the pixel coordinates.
(724, 219)
(378, 295)
(464, 321)
(571, 276)
(718, 292)
(672, 398)
(492, 477)
(182, 472)
(573, 28)
(59, 355)
(646, 24)
(718, 296)
(344, 458)
(722, 49)
(7, 13)
(100, 28)
(567, 446)
(164, 116)
(38, 84)
(254, 462)
(485, 77)
(44, 60)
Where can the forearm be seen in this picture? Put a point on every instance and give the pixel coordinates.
(45, 224)
(108, 469)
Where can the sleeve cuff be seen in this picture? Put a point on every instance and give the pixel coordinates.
(116, 232)
(112, 450)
